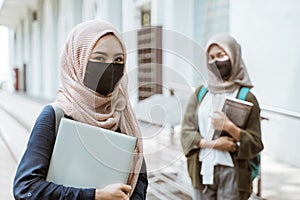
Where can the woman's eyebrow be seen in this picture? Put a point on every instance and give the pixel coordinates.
(100, 52)
(105, 54)
(119, 54)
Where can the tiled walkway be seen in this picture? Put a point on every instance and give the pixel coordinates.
(7, 166)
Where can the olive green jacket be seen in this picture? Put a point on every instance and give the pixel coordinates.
(250, 145)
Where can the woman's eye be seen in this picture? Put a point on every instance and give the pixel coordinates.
(119, 59)
(210, 58)
(99, 58)
(221, 55)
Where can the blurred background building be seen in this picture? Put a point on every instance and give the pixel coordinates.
(166, 40)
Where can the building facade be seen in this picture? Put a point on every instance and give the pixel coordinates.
(39, 32)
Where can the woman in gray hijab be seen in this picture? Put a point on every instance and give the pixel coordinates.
(217, 150)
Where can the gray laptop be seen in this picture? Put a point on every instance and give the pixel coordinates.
(87, 156)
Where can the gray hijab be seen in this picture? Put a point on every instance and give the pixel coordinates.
(239, 75)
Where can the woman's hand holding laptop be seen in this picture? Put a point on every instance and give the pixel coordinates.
(113, 191)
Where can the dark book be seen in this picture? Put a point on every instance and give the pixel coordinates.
(237, 111)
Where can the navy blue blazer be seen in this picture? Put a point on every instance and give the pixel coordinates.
(30, 179)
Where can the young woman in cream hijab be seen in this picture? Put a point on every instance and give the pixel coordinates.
(219, 165)
(94, 91)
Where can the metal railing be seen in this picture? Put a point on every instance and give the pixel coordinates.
(280, 111)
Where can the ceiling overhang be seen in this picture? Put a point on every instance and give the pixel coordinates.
(13, 11)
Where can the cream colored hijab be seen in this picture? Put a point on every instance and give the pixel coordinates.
(239, 75)
(87, 106)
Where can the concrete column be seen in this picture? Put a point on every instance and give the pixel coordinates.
(36, 59)
(27, 59)
(19, 53)
(177, 40)
(157, 13)
(5, 70)
(12, 58)
(77, 11)
(66, 22)
(110, 10)
(131, 22)
(41, 47)
(49, 52)
(89, 9)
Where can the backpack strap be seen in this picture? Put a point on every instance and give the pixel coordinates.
(254, 163)
(242, 95)
(202, 92)
(59, 114)
(255, 166)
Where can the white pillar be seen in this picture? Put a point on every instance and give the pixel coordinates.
(35, 70)
(5, 70)
(131, 22)
(27, 48)
(177, 40)
(66, 22)
(110, 10)
(19, 52)
(89, 9)
(49, 52)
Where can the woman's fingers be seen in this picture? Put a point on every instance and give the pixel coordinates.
(218, 120)
(225, 143)
(233, 147)
(125, 188)
(232, 144)
(229, 138)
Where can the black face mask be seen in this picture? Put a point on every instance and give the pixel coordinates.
(103, 77)
(224, 69)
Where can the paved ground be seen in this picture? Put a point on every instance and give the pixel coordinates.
(166, 165)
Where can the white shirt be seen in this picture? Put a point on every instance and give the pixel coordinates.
(211, 157)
